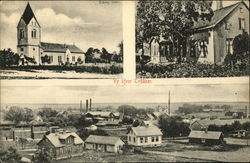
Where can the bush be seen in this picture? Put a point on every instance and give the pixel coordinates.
(187, 70)
(106, 69)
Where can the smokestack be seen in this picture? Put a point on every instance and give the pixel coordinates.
(87, 105)
(90, 104)
(219, 4)
(169, 103)
(80, 106)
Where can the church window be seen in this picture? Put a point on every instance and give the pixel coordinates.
(59, 58)
(33, 33)
(21, 33)
(227, 26)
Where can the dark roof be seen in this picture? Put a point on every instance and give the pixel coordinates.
(28, 14)
(205, 134)
(102, 139)
(219, 15)
(54, 47)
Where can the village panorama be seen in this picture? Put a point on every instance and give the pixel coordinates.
(159, 128)
(61, 56)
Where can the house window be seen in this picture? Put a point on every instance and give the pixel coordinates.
(59, 58)
(21, 49)
(33, 33)
(129, 138)
(73, 58)
(134, 139)
(141, 139)
(21, 33)
(203, 49)
(153, 139)
(227, 26)
(241, 10)
(34, 49)
(229, 46)
(157, 139)
(241, 23)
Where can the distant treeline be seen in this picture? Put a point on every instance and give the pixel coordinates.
(192, 108)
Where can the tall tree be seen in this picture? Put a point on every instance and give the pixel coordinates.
(47, 113)
(14, 114)
(42, 156)
(170, 19)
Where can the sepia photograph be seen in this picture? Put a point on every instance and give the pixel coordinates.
(156, 123)
(185, 39)
(66, 40)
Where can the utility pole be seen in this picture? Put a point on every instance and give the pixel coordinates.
(169, 103)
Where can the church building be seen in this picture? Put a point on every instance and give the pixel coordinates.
(29, 44)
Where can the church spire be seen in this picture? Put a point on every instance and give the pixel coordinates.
(28, 14)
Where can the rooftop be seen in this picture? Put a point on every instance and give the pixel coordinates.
(102, 139)
(205, 135)
(55, 47)
(146, 130)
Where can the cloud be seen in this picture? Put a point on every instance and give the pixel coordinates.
(11, 19)
(49, 19)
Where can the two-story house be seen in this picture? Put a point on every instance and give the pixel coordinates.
(144, 136)
(62, 144)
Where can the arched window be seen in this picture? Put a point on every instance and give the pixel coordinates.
(21, 33)
(33, 33)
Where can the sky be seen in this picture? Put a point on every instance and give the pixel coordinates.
(84, 23)
(125, 94)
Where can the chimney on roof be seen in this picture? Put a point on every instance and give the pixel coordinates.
(219, 4)
(87, 105)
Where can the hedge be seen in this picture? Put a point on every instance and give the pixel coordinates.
(187, 70)
(104, 69)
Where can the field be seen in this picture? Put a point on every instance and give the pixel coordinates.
(228, 153)
(92, 156)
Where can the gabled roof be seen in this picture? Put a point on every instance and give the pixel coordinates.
(205, 134)
(28, 14)
(102, 139)
(54, 138)
(146, 131)
(55, 47)
(218, 16)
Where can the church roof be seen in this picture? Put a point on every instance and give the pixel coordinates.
(218, 16)
(28, 14)
(55, 47)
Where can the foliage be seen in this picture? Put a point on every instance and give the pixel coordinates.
(22, 141)
(187, 70)
(10, 156)
(127, 110)
(29, 60)
(47, 113)
(169, 19)
(45, 59)
(42, 156)
(8, 58)
(127, 120)
(173, 126)
(120, 45)
(17, 114)
(101, 69)
(136, 123)
(240, 57)
(84, 133)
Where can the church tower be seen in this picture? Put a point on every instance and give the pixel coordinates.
(29, 35)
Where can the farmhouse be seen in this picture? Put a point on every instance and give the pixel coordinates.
(62, 144)
(210, 41)
(29, 44)
(104, 143)
(206, 137)
(144, 136)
